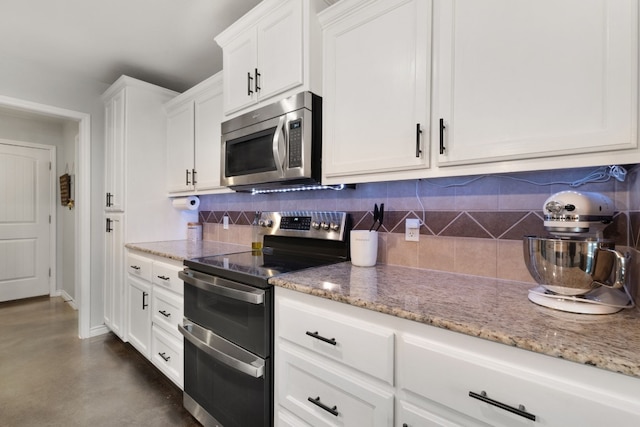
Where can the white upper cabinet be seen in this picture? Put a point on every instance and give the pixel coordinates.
(115, 152)
(377, 77)
(180, 148)
(193, 139)
(520, 79)
(271, 51)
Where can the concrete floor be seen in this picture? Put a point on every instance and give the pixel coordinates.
(49, 377)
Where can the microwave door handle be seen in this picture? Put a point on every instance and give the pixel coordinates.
(230, 356)
(278, 145)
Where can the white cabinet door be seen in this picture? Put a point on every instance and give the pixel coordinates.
(280, 50)
(523, 79)
(180, 155)
(114, 292)
(139, 315)
(208, 116)
(114, 152)
(240, 63)
(376, 91)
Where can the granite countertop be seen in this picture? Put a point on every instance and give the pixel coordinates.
(186, 249)
(493, 309)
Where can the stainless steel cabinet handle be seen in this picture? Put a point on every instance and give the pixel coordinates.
(164, 313)
(163, 277)
(109, 229)
(518, 411)
(222, 350)
(187, 179)
(193, 176)
(135, 267)
(223, 287)
(164, 356)
(144, 300)
(316, 401)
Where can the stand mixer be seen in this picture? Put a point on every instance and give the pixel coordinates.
(577, 269)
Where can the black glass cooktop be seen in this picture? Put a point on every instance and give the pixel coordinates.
(256, 267)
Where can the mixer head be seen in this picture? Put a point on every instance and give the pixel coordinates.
(577, 214)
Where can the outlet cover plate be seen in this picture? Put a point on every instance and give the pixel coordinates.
(412, 230)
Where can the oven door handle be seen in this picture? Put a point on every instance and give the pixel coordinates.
(227, 353)
(223, 287)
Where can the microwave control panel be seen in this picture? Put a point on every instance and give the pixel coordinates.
(295, 144)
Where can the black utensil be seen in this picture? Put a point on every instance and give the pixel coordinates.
(380, 216)
(376, 215)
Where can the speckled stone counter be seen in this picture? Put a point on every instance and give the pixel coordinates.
(186, 249)
(493, 309)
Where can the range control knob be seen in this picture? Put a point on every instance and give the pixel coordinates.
(315, 225)
(265, 223)
(324, 226)
(334, 227)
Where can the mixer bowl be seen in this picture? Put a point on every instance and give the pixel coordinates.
(573, 267)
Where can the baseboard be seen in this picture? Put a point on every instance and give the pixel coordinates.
(68, 299)
(98, 330)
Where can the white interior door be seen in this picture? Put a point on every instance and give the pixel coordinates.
(25, 182)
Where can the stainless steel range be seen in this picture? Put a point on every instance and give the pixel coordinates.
(228, 309)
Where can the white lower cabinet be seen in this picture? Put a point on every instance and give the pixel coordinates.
(167, 354)
(326, 373)
(139, 314)
(440, 378)
(323, 393)
(155, 310)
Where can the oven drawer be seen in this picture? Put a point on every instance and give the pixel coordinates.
(227, 382)
(342, 338)
(167, 310)
(166, 275)
(139, 266)
(166, 354)
(323, 395)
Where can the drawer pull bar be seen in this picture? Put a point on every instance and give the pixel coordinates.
(164, 356)
(135, 267)
(315, 335)
(518, 411)
(164, 277)
(164, 313)
(316, 401)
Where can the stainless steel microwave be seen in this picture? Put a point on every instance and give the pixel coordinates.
(276, 146)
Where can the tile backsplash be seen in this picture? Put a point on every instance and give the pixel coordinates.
(472, 225)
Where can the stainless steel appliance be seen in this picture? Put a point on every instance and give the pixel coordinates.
(228, 309)
(279, 145)
(577, 269)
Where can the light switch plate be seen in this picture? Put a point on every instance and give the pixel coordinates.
(412, 230)
(225, 222)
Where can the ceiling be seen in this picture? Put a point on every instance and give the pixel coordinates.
(165, 42)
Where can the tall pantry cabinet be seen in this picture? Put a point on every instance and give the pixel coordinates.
(136, 204)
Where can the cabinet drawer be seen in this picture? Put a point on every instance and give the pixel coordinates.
(167, 310)
(447, 375)
(139, 266)
(340, 399)
(167, 355)
(358, 344)
(166, 275)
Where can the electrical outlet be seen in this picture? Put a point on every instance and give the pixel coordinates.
(225, 222)
(412, 230)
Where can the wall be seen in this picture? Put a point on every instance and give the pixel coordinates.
(473, 225)
(48, 131)
(32, 82)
